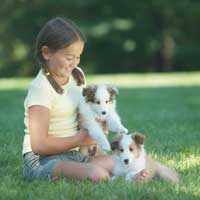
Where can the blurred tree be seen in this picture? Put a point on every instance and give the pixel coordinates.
(123, 36)
(165, 54)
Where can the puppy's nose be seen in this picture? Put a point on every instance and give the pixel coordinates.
(103, 112)
(126, 161)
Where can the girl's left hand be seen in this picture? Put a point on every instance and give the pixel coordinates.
(85, 138)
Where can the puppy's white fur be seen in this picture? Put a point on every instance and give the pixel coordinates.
(130, 158)
(98, 102)
(127, 164)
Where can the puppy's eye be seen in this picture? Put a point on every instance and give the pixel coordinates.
(97, 102)
(121, 150)
(107, 101)
(131, 149)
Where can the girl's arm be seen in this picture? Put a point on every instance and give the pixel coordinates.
(44, 144)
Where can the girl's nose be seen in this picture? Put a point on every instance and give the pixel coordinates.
(75, 62)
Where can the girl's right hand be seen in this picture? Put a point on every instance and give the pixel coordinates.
(85, 138)
(142, 176)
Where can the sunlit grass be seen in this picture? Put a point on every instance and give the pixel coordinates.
(123, 80)
(149, 80)
(189, 161)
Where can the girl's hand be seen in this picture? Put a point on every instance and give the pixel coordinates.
(142, 176)
(85, 138)
(103, 125)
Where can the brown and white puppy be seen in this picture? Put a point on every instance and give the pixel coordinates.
(99, 104)
(130, 158)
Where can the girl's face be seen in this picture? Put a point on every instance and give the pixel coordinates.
(62, 62)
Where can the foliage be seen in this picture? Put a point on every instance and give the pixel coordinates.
(123, 36)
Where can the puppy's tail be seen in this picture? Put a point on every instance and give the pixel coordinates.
(167, 174)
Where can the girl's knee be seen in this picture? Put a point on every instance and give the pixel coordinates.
(98, 173)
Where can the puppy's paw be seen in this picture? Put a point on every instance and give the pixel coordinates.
(105, 146)
(129, 177)
(123, 130)
(113, 178)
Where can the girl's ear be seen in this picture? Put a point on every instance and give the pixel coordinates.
(45, 52)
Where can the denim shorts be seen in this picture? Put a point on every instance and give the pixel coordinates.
(41, 167)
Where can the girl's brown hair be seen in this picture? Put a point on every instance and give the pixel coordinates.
(58, 34)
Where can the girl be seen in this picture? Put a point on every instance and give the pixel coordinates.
(52, 139)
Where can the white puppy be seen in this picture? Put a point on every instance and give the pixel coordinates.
(98, 102)
(130, 159)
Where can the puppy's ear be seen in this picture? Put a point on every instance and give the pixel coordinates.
(114, 145)
(89, 93)
(89, 90)
(115, 142)
(138, 138)
(85, 91)
(113, 91)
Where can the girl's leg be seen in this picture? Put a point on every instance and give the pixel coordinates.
(106, 162)
(100, 168)
(79, 171)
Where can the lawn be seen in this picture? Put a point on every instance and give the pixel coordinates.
(165, 107)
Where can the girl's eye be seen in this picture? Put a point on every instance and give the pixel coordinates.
(69, 59)
(131, 149)
(97, 102)
(121, 150)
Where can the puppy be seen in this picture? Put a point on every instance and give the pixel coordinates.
(130, 158)
(98, 103)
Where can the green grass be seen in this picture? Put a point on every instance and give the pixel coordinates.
(166, 107)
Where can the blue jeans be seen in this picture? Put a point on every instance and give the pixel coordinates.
(41, 167)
